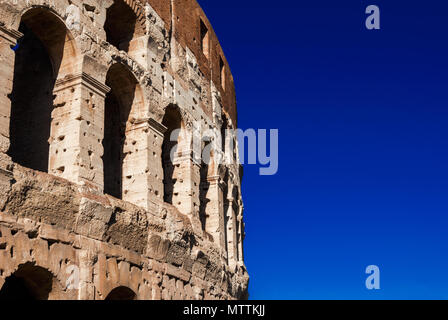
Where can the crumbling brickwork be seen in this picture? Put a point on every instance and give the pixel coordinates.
(91, 205)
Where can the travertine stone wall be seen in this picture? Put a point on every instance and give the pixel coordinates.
(59, 224)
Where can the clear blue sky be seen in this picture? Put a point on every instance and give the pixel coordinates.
(363, 124)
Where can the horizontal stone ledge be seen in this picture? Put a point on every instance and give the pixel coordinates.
(81, 78)
(48, 232)
(10, 35)
(177, 272)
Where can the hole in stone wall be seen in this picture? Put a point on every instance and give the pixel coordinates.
(50, 243)
(32, 234)
(121, 25)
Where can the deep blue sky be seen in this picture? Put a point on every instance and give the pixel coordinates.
(363, 123)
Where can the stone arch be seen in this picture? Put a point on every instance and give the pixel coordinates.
(31, 282)
(237, 222)
(173, 145)
(181, 169)
(121, 293)
(240, 232)
(231, 221)
(206, 171)
(125, 22)
(58, 40)
(224, 128)
(110, 274)
(230, 140)
(124, 111)
(46, 53)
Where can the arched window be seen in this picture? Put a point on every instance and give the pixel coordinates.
(121, 293)
(122, 26)
(124, 106)
(44, 54)
(204, 185)
(224, 133)
(230, 222)
(226, 205)
(29, 282)
(170, 148)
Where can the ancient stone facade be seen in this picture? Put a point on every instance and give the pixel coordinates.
(91, 205)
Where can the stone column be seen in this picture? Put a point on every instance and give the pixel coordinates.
(231, 232)
(186, 189)
(8, 39)
(77, 130)
(240, 236)
(86, 290)
(215, 220)
(142, 166)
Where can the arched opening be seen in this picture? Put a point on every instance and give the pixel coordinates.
(122, 26)
(171, 145)
(121, 293)
(224, 132)
(237, 231)
(29, 282)
(231, 226)
(204, 185)
(122, 107)
(45, 53)
(227, 215)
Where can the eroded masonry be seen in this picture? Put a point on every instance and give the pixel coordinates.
(91, 205)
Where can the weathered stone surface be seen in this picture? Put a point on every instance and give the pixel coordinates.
(92, 206)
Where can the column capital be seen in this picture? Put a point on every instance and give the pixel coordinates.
(156, 126)
(10, 35)
(186, 155)
(84, 79)
(213, 179)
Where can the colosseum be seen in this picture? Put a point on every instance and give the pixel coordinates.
(98, 201)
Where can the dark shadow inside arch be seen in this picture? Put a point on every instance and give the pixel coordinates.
(31, 103)
(118, 107)
(29, 282)
(38, 58)
(172, 121)
(225, 196)
(121, 293)
(121, 25)
(224, 128)
(204, 186)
